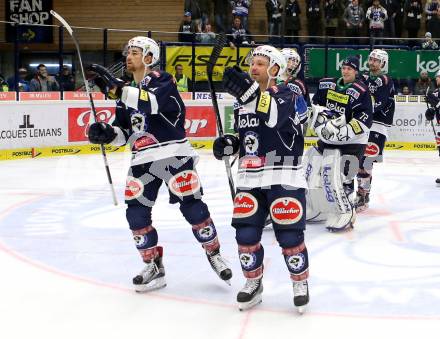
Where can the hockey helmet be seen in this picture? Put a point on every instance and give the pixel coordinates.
(275, 58)
(293, 61)
(380, 55)
(148, 47)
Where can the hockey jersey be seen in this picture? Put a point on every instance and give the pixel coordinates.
(271, 139)
(299, 88)
(382, 90)
(352, 100)
(152, 120)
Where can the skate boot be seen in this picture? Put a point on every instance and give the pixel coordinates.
(342, 222)
(437, 181)
(361, 202)
(219, 266)
(300, 295)
(152, 277)
(250, 294)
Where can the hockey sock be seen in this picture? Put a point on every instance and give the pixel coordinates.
(206, 234)
(146, 242)
(251, 260)
(297, 262)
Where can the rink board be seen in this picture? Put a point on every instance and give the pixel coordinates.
(42, 128)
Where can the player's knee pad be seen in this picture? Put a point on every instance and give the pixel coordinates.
(206, 234)
(138, 216)
(146, 240)
(248, 235)
(289, 237)
(195, 211)
(251, 260)
(297, 261)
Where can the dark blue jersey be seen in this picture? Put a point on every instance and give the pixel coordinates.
(382, 90)
(152, 120)
(300, 88)
(271, 139)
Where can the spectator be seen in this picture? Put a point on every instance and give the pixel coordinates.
(23, 83)
(66, 79)
(377, 15)
(181, 79)
(405, 90)
(354, 18)
(274, 9)
(413, 11)
(423, 83)
(187, 28)
(392, 8)
(431, 8)
(237, 35)
(206, 36)
(240, 8)
(293, 21)
(429, 43)
(435, 23)
(3, 84)
(42, 82)
(221, 13)
(193, 7)
(399, 18)
(331, 18)
(313, 19)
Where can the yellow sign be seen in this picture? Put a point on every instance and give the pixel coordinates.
(182, 55)
(338, 97)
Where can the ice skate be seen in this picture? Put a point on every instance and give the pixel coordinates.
(361, 202)
(219, 266)
(152, 277)
(437, 181)
(250, 295)
(341, 222)
(300, 295)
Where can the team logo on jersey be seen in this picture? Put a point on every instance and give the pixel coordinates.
(245, 205)
(248, 121)
(372, 150)
(184, 183)
(251, 143)
(133, 188)
(296, 262)
(286, 211)
(137, 122)
(248, 260)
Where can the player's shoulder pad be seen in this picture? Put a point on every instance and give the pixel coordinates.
(297, 86)
(386, 79)
(360, 85)
(280, 91)
(327, 83)
(156, 77)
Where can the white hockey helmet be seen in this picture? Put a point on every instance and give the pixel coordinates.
(293, 61)
(275, 58)
(381, 55)
(148, 47)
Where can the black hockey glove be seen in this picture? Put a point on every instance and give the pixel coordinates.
(225, 145)
(107, 82)
(240, 85)
(430, 114)
(433, 101)
(101, 133)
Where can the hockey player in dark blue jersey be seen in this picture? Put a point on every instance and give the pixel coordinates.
(433, 111)
(342, 116)
(270, 178)
(382, 90)
(150, 117)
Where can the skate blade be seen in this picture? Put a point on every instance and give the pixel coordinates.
(344, 229)
(247, 305)
(154, 285)
(301, 309)
(228, 282)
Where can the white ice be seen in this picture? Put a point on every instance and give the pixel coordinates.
(67, 259)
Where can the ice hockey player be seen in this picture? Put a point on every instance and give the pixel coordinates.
(150, 116)
(433, 99)
(270, 178)
(382, 90)
(342, 117)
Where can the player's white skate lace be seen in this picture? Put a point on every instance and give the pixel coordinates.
(220, 267)
(250, 294)
(300, 295)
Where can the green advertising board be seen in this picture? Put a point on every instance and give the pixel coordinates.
(402, 64)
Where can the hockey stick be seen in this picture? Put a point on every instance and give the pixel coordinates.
(92, 104)
(220, 41)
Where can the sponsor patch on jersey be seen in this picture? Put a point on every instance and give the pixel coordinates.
(245, 205)
(338, 97)
(133, 188)
(356, 126)
(251, 143)
(355, 94)
(294, 88)
(379, 82)
(251, 162)
(143, 95)
(144, 142)
(371, 150)
(184, 183)
(248, 120)
(248, 260)
(286, 211)
(296, 262)
(327, 85)
(263, 103)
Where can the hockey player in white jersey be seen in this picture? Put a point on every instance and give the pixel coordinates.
(270, 179)
(433, 111)
(342, 115)
(150, 116)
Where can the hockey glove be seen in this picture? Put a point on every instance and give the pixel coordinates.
(225, 146)
(101, 133)
(430, 114)
(240, 85)
(107, 82)
(433, 100)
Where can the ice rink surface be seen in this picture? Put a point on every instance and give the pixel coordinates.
(67, 258)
